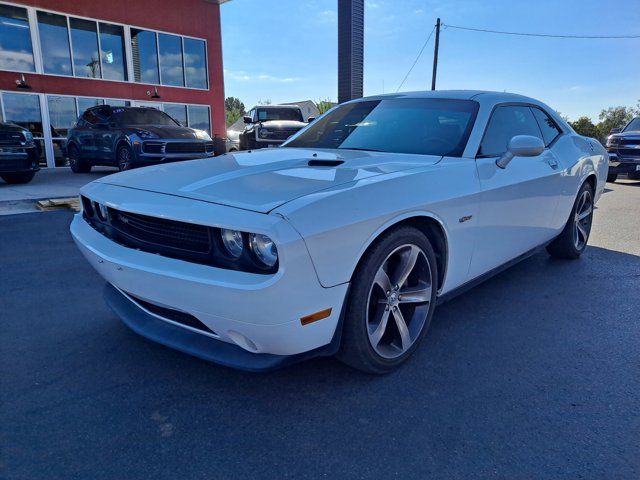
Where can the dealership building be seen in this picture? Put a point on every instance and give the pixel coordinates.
(60, 57)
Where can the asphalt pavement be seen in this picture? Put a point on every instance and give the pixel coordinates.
(535, 374)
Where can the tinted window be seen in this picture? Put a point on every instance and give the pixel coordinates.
(62, 114)
(195, 63)
(90, 117)
(423, 126)
(112, 45)
(145, 56)
(141, 116)
(505, 123)
(16, 52)
(633, 126)
(171, 70)
(84, 38)
(547, 126)
(177, 112)
(266, 114)
(23, 110)
(199, 118)
(54, 40)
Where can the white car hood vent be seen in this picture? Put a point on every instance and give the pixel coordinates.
(263, 180)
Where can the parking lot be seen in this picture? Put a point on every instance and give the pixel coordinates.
(534, 374)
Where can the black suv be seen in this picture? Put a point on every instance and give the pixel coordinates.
(129, 137)
(19, 154)
(270, 126)
(623, 146)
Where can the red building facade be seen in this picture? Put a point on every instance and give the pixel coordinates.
(58, 57)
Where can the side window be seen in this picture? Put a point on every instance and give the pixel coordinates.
(505, 123)
(548, 127)
(104, 113)
(90, 117)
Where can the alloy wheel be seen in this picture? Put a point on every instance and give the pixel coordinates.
(582, 220)
(399, 301)
(124, 159)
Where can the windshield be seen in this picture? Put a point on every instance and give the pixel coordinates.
(142, 116)
(267, 114)
(424, 126)
(634, 126)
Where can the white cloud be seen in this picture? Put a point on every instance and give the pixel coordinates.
(328, 16)
(242, 76)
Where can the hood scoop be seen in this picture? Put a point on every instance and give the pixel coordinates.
(325, 163)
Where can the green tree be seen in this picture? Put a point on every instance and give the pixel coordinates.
(584, 126)
(614, 117)
(233, 109)
(324, 105)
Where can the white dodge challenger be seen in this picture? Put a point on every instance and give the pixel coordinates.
(343, 240)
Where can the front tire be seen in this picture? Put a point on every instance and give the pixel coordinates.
(574, 237)
(390, 303)
(18, 178)
(124, 156)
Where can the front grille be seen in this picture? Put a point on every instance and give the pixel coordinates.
(629, 152)
(152, 147)
(162, 233)
(173, 315)
(11, 138)
(281, 134)
(630, 141)
(8, 163)
(185, 147)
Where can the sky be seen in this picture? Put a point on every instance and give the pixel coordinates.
(286, 50)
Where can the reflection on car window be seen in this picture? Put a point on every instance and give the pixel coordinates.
(548, 127)
(506, 122)
(142, 116)
(268, 114)
(401, 125)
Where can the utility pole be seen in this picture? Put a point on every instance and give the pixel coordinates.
(435, 56)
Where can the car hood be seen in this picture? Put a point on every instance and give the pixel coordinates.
(283, 124)
(167, 131)
(265, 179)
(634, 134)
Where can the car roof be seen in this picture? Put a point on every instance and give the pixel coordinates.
(277, 106)
(479, 95)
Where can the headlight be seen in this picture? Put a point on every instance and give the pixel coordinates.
(202, 135)
(263, 133)
(232, 241)
(612, 141)
(28, 136)
(264, 249)
(146, 134)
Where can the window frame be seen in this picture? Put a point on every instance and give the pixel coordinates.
(517, 104)
(129, 77)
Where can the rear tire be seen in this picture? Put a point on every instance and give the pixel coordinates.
(385, 322)
(18, 178)
(77, 164)
(612, 177)
(574, 237)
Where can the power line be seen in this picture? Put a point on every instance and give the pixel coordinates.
(541, 34)
(416, 60)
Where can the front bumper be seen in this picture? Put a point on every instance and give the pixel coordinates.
(623, 163)
(19, 159)
(147, 159)
(265, 309)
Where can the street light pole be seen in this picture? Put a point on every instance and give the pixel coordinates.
(435, 56)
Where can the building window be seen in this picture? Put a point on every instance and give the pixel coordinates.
(112, 47)
(24, 110)
(199, 117)
(195, 63)
(171, 66)
(177, 112)
(85, 102)
(54, 42)
(62, 115)
(144, 49)
(16, 52)
(118, 103)
(84, 39)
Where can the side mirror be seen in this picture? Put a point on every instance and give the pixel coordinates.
(615, 130)
(247, 119)
(311, 119)
(521, 146)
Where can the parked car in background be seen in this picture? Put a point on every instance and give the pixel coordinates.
(233, 140)
(270, 126)
(344, 239)
(129, 137)
(623, 146)
(19, 154)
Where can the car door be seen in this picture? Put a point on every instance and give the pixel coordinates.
(518, 203)
(85, 135)
(103, 133)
